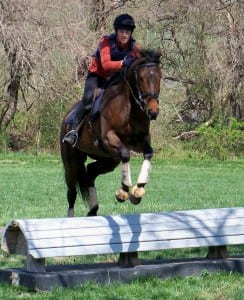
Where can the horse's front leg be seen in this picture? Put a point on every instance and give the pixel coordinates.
(122, 194)
(138, 190)
(113, 144)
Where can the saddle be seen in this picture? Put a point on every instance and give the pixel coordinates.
(97, 104)
(98, 98)
(95, 107)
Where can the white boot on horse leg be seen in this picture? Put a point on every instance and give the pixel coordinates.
(92, 201)
(122, 194)
(138, 190)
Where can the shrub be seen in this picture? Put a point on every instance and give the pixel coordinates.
(220, 141)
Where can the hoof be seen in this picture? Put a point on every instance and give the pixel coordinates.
(93, 212)
(136, 194)
(121, 195)
(134, 200)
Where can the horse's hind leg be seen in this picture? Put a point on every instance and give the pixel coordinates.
(88, 190)
(94, 169)
(71, 196)
(92, 201)
(74, 169)
(70, 179)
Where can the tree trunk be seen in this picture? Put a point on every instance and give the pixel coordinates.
(9, 109)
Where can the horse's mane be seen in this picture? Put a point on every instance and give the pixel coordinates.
(116, 78)
(149, 55)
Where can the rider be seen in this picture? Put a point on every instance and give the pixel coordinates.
(113, 52)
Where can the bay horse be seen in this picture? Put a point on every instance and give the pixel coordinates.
(122, 126)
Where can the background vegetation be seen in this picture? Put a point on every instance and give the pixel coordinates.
(45, 49)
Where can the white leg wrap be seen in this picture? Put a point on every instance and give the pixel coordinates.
(92, 197)
(145, 172)
(126, 175)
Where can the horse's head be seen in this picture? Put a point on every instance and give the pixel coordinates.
(143, 79)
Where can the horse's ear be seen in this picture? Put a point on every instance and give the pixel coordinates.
(158, 53)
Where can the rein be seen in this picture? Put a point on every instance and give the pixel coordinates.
(141, 96)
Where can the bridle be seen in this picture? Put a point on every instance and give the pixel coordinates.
(140, 100)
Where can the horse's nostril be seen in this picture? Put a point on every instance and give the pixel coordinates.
(152, 115)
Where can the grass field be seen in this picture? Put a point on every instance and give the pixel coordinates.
(33, 187)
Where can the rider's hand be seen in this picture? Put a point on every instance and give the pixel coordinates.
(127, 61)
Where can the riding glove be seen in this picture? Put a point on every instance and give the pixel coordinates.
(127, 61)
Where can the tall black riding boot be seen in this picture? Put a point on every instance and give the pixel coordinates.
(71, 136)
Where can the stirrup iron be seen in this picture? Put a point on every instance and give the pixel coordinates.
(75, 134)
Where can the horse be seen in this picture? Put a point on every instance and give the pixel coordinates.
(122, 126)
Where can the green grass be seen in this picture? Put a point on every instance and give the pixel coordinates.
(33, 187)
(205, 287)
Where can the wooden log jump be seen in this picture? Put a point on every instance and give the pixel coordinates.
(127, 235)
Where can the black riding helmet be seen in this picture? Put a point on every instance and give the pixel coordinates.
(124, 21)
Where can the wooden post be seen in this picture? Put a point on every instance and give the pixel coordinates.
(217, 252)
(34, 265)
(129, 259)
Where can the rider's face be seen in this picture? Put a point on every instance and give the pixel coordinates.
(123, 36)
